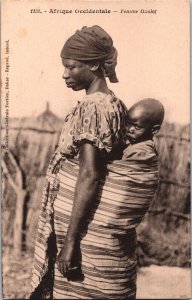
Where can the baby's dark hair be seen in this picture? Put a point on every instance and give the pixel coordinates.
(154, 110)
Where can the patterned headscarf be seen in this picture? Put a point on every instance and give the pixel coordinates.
(92, 43)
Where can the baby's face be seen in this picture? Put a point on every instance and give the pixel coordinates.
(138, 125)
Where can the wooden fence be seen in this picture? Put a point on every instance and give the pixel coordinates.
(25, 165)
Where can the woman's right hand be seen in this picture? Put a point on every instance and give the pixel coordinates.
(65, 258)
(85, 194)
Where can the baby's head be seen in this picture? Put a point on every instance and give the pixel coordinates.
(144, 120)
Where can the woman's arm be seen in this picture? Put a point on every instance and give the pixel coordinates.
(85, 193)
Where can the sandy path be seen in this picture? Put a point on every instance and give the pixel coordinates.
(154, 282)
(163, 282)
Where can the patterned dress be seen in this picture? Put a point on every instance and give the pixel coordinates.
(107, 245)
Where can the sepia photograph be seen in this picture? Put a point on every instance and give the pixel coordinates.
(95, 149)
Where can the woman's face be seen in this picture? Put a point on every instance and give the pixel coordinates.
(77, 75)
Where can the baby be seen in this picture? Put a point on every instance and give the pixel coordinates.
(144, 121)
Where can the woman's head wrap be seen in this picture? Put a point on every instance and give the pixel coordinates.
(92, 44)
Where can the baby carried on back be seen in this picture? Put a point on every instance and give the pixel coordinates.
(125, 192)
(129, 185)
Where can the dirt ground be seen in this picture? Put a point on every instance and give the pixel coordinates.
(153, 282)
(163, 282)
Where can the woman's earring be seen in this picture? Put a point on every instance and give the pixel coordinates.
(103, 70)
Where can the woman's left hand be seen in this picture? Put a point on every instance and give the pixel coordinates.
(65, 257)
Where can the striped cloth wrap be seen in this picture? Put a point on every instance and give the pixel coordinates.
(108, 242)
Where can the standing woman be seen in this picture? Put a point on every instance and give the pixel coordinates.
(75, 257)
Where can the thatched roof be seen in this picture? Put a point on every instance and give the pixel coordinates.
(46, 121)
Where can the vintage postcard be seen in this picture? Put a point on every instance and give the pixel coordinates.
(61, 62)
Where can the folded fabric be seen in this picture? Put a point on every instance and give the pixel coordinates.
(126, 190)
